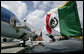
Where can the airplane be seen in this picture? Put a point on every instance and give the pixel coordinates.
(12, 27)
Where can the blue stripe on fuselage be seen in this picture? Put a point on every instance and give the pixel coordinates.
(6, 15)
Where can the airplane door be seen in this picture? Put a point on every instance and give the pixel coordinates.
(13, 22)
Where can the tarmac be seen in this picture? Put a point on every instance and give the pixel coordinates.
(10, 47)
(62, 46)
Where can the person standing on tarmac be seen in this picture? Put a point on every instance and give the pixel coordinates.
(39, 38)
(52, 37)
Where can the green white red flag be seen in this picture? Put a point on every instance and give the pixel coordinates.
(66, 20)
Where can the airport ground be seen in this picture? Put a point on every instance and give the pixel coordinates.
(72, 45)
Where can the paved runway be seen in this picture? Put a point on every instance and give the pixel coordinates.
(63, 46)
(11, 47)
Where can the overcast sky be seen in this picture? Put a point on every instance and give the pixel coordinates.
(35, 11)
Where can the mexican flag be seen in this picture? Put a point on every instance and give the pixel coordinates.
(64, 20)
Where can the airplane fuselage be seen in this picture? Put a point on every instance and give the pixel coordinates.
(8, 26)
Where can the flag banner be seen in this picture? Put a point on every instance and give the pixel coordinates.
(64, 20)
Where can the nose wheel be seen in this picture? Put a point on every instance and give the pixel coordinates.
(23, 43)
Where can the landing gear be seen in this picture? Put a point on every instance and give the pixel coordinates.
(22, 43)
